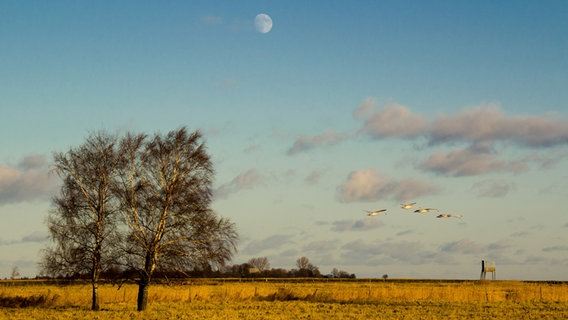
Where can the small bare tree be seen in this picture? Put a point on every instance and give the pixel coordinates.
(15, 273)
(82, 223)
(166, 194)
(303, 263)
(261, 263)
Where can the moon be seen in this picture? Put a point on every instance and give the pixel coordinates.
(263, 23)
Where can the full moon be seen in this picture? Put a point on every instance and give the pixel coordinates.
(263, 23)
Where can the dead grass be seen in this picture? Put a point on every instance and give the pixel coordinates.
(262, 299)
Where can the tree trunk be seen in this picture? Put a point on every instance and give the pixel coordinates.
(95, 274)
(143, 295)
(95, 306)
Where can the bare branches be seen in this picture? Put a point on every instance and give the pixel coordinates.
(160, 185)
(165, 195)
(82, 222)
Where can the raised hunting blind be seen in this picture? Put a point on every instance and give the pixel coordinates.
(488, 266)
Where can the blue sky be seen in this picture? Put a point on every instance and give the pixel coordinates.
(342, 107)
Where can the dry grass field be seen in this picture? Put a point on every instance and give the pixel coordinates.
(292, 299)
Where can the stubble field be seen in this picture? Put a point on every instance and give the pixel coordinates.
(292, 299)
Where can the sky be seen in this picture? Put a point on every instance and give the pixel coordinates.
(460, 106)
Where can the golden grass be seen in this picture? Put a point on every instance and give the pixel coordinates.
(218, 299)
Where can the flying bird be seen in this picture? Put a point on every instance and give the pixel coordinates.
(407, 205)
(447, 215)
(376, 212)
(425, 210)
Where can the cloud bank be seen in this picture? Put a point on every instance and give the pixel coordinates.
(486, 123)
(475, 137)
(28, 180)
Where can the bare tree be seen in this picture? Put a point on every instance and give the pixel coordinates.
(82, 223)
(303, 263)
(261, 263)
(15, 273)
(306, 268)
(166, 194)
(336, 273)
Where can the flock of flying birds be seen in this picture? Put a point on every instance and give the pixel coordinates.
(411, 205)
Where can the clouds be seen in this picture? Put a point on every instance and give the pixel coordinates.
(477, 159)
(28, 180)
(356, 225)
(305, 143)
(272, 242)
(466, 246)
(394, 120)
(34, 237)
(387, 253)
(370, 185)
(560, 248)
(245, 180)
(489, 123)
(473, 141)
(485, 123)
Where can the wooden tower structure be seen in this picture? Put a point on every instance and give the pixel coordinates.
(488, 266)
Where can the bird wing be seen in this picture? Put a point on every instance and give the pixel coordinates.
(407, 205)
(374, 213)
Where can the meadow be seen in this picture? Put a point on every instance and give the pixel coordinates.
(291, 299)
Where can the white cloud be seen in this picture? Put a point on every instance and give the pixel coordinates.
(395, 120)
(370, 185)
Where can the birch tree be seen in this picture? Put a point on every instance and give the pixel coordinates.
(165, 192)
(82, 222)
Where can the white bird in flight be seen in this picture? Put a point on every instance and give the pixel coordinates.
(447, 215)
(376, 212)
(407, 205)
(425, 210)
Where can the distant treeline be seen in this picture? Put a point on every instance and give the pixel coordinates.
(244, 270)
